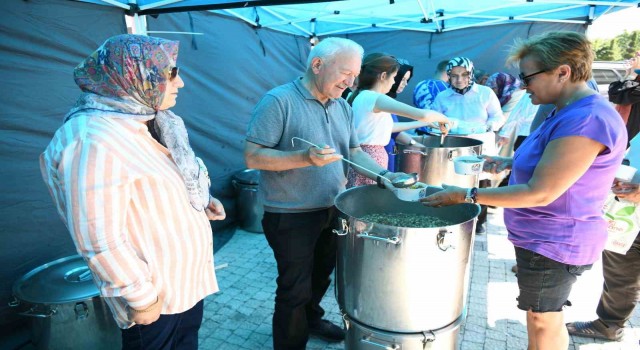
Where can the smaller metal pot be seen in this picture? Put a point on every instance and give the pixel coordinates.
(65, 308)
(434, 161)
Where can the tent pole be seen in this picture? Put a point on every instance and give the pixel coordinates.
(140, 24)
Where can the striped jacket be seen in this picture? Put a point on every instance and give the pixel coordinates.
(125, 204)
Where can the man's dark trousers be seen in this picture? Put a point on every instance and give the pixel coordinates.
(304, 247)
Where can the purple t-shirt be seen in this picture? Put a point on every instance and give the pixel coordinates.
(571, 229)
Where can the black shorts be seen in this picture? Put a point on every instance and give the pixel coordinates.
(544, 283)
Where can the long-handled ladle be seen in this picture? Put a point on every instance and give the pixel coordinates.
(402, 181)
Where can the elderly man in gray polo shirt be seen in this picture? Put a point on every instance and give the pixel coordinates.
(300, 183)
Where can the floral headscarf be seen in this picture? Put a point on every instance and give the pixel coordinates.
(468, 66)
(505, 84)
(127, 77)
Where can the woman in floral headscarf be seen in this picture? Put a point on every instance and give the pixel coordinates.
(509, 91)
(507, 88)
(133, 195)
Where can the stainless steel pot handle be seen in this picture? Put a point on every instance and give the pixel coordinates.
(32, 313)
(415, 151)
(430, 338)
(345, 319)
(441, 240)
(344, 230)
(367, 340)
(14, 302)
(458, 153)
(393, 240)
(81, 310)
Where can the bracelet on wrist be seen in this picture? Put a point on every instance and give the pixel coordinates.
(149, 308)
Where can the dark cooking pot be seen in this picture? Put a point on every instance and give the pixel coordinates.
(402, 279)
(65, 308)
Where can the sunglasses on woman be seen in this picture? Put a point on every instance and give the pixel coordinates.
(527, 78)
(174, 73)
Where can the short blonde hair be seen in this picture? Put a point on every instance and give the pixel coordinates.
(553, 49)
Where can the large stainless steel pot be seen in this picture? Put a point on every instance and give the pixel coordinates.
(434, 163)
(65, 309)
(361, 337)
(402, 279)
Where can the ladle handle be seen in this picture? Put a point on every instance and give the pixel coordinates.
(345, 160)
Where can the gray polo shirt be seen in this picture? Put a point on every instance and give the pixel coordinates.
(290, 110)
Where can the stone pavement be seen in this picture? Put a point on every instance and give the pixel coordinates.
(239, 316)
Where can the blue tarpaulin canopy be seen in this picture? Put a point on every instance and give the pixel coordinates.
(231, 54)
(321, 18)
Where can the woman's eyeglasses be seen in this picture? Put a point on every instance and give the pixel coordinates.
(174, 73)
(527, 78)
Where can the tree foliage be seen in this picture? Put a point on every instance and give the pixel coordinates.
(620, 48)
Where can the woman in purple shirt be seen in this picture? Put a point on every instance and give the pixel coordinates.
(560, 177)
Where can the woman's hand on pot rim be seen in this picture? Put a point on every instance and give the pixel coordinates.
(449, 196)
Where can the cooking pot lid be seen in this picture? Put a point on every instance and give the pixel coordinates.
(248, 176)
(58, 282)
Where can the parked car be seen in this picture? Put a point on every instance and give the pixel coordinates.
(606, 72)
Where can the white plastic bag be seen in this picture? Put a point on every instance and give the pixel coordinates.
(623, 219)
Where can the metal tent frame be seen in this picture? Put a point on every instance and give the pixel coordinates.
(322, 18)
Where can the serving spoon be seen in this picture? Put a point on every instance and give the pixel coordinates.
(402, 181)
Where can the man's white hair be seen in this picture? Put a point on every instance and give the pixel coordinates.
(327, 49)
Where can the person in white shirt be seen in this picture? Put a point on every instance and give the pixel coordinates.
(372, 110)
(467, 101)
(475, 105)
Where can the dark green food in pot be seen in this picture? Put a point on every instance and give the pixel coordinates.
(406, 220)
(416, 186)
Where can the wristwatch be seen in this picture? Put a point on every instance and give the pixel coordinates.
(472, 193)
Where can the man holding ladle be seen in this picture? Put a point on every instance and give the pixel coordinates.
(300, 182)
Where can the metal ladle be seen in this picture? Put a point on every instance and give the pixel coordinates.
(401, 181)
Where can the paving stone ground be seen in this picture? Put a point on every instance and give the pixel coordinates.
(239, 316)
